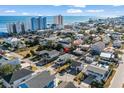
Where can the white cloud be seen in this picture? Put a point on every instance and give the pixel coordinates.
(74, 11)
(56, 5)
(95, 11)
(39, 15)
(82, 6)
(117, 5)
(25, 13)
(10, 11)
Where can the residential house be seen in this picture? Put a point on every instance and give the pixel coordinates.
(47, 56)
(97, 48)
(42, 80)
(75, 67)
(63, 59)
(115, 36)
(89, 59)
(43, 42)
(79, 52)
(66, 42)
(84, 47)
(77, 42)
(66, 85)
(106, 39)
(15, 78)
(12, 41)
(97, 39)
(79, 36)
(6, 60)
(52, 38)
(107, 56)
(15, 42)
(117, 44)
(100, 71)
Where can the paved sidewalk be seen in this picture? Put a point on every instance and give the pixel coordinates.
(118, 79)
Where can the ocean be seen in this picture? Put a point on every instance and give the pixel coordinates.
(4, 20)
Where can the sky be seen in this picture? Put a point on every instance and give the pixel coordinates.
(65, 10)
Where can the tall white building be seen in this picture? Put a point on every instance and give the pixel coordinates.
(18, 27)
(10, 28)
(27, 25)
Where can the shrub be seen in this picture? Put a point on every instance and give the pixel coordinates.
(28, 55)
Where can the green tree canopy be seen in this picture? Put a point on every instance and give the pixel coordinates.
(6, 69)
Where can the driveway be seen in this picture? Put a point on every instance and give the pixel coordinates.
(118, 79)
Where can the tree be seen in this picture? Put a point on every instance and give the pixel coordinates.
(79, 77)
(69, 61)
(97, 58)
(36, 41)
(6, 69)
(49, 44)
(7, 45)
(39, 48)
(81, 32)
(72, 48)
(99, 29)
(92, 32)
(59, 47)
(111, 66)
(122, 37)
(28, 55)
(96, 84)
(1, 84)
(17, 67)
(32, 52)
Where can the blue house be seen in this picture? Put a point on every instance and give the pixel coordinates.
(97, 48)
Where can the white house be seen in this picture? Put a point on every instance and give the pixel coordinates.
(14, 42)
(101, 72)
(107, 55)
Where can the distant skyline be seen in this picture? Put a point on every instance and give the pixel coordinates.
(65, 10)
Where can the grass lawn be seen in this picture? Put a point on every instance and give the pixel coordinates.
(25, 51)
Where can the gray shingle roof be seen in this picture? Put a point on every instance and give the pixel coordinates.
(41, 80)
(50, 53)
(54, 52)
(17, 75)
(75, 63)
(98, 45)
(66, 85)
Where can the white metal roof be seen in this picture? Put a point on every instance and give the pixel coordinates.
(106, 55)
